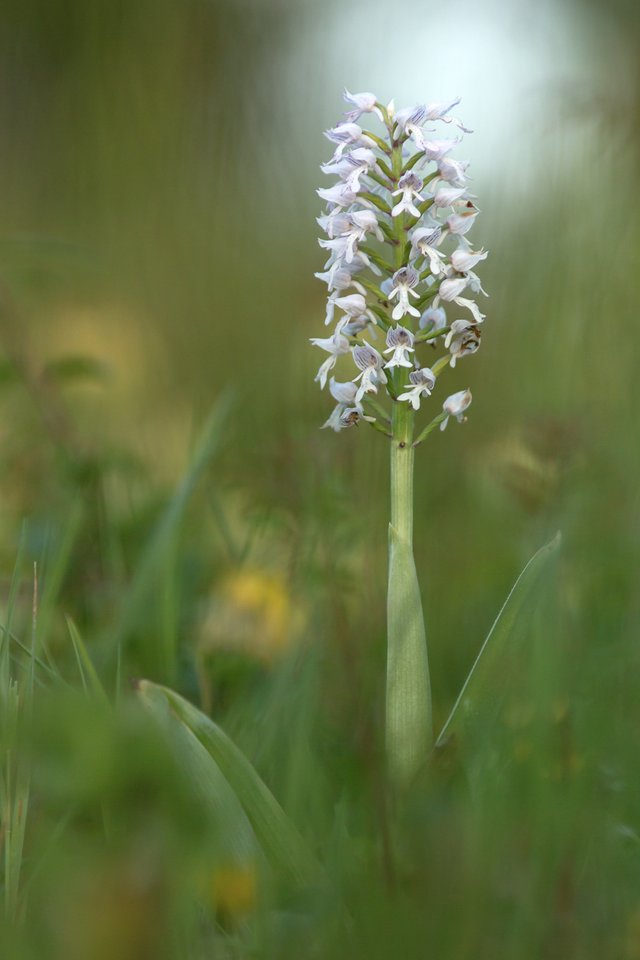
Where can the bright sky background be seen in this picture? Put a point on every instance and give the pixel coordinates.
(519, 67)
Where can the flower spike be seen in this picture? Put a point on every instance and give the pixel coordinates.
(395, 229)
(395, 225)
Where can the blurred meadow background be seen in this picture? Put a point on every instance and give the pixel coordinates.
(170, 510)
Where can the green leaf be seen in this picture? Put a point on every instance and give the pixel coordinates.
(279, 839)
(231, 830)
(408, 721)
(488, 683)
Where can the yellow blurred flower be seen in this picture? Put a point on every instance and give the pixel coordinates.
(252, 612)
(234, 889)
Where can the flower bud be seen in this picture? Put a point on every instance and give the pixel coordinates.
(455, 406)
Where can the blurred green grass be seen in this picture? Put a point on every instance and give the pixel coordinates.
(157, 176)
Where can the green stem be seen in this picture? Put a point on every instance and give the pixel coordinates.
(398, 222)
(380, 179)
(429, 427)
(402, 418)
(375, 200)
(408, 696)
(431, 335)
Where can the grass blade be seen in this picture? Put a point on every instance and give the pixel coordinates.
(278, 837)
(509, 628)
(88, 674)
(149, 569)
(229, 825)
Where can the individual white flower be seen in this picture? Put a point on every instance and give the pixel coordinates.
(410, 117)
(475, 284)
(409, 185)
(421, 384)
(339, 195)
(347, 412)
(338, 277)
(404, 282)
(409, 121)
(344, 251)
(355, 325)
(337, 259)
(369, 361)
(452, 287)
(352, 166)
(463, 338)
(350, 417)
(429, 113)
(424, 241)
(344, 393)
(347, 135)
(363, 102)
(361, 260)
(334, 223)
(438, 111)
(453, 171)
(434, 150)
(455, 406)
(464, 259)
(447, 196)
(341, 280)
(355, 229)
(335, 346)
(338, 247)
(433, 319)
(400, 342)
(472, 307)
(367, 222)
(461, 223)
(450, 290)
(354, 305)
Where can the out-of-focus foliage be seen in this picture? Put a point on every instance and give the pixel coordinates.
(157, 168)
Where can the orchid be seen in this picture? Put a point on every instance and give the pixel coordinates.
(334, 346)
(433, 319)
(455, 406)
(363, 103)
(453, 171)
(398, 261)
(404, 282)
(464, 259)
(400, 342)
(347, 411)
(409, 186)
(463, 338)
(424, 241)
(461, 223)
(421, 384)
(347, 135)
(370, 363)
(447, 196)
(380, 203)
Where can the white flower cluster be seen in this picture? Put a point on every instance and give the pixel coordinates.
(396, 225)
